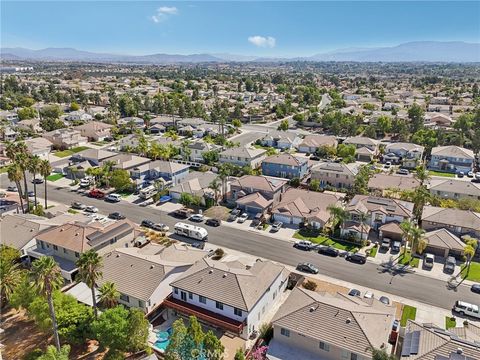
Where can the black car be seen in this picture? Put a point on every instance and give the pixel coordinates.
(356, 258)
(314, 158)
(213, 222)
(385, 300)
(308, 268)
(328, 250)
(116, 216)
(354, 292)
(475, 288)
(148, 224)
(37, 181)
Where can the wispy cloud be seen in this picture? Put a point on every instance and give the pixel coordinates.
(262, 41)
(163, 13)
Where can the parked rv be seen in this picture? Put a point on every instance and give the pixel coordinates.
(191, 231)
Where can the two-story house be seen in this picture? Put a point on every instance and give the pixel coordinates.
(451, 159)
(459, 222)
(66, 138)
(312, 143)
(367, 148)
(171, 172)
(198, 148)
(126, 161)
(311, 326)
(281, 139)
(78, 115)
(94, 156)
(454, 189)
(39, 146)
(228, 295)
(382, 184)
(243, 156)
(406, 154)
(95, 130)
(337, 175)
(285, 166)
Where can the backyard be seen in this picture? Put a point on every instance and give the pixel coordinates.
(70, 152)
(317, 238)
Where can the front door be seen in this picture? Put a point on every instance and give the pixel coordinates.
(183, 295)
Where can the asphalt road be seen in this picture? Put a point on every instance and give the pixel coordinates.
(408, 285)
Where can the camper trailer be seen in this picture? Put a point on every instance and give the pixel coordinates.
(148, 192)
(191, 231)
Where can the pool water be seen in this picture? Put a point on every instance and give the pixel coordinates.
(163, 339)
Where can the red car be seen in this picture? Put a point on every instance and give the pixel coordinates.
(95, 193)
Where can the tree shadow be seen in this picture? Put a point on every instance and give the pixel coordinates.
(392, 267)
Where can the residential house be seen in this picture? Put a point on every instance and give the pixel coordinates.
(382, 183)
(367, 148)
(337, 175)
(79, 115)
(312, 143)
(30, 125)
(198, 148)
(228, 295)
(94, 156)
(429, 342)
(95, 130)
(39, 146)
(285, 166)
(9, 116)
(66, 138)
(281, 139)
(297, 206)
(454, 189)
(243, 156)
(451, 159)
(406, 154)
(311, 326)
(126, 161)
(171, 172)
(132, 122)
(443, 243)
(198, 184)
(66, 242)
(436, 120)
(459, 222)
(155, 266)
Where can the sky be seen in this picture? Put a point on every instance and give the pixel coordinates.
(268, 28)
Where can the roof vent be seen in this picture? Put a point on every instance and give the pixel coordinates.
(459, 350)
(118, 255)
(76, 234)
(61, 229)
(224, 275)
(348, 321)
(210, 271)
(152, 266)
(313, 308)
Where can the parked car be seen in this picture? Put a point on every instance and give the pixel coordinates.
(356, 258)
(385, 300)
(85, 183)
(97, 194)
(403, 172)
(12, 188)
(160, 227)
(234, 214)
(314, 158)
(477, 175)
(78, 206)
(449, 266)
(31, 193)
(303, 245)
(396, 246)
(428, 261)
(387, 165)
(91, 209)
(197, 218)
(308, 268)
(470, 174)
(475, 288)
(385, 245)
(242, 218)
(164, 199)
(354, 292)
(116, 216)
(113, 198)
(464, 308)
(277, 225)
(258, 220)
(368, 295)
(213, 222)
(328, 250)
(37, 181)
(148, 224)
(460, 174)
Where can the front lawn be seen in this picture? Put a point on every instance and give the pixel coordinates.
(408, 313)
(373, 251)
(54, 177)
(3, 169)
(407, 259)
(474, 273)
(317, 238)
(450, 322)
(439, 173)
(70, 152)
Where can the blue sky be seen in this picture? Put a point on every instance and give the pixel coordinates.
(267, 28)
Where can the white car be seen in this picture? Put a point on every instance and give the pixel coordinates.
(113, 198)
(91, 209)
(197, 218)
(368, 295)
(242, 218)
(85, 183)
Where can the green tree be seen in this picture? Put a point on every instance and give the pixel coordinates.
(15, 175)
(239, 354)
(53, 354)
(112, 329)
(137, 330)
(34, 168)
(237, 123)
(89, 271)
(45, 169)
(48, 278)
(51, 112)
(210, 157)
(10, 272)
(416, 117)
(213, 346)
(120, 180)
(381, 355)
(346, 152)
(186, 199)
(27, 113)
(109, 295)
(360, 185)
(314, 185)
(74, 106)
(338, 216)
(283, 125)
(384, 124)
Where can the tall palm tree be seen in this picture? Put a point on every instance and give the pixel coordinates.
(215, 186)
(362, 217)
(15, 174)
(416, 236)
(48, 278)
(338, 215)
(109, 295)
(22, 160)
(10, 277)
(406, 227)
(89, 271)
(45, 169)
(34, 168)
(421, 174)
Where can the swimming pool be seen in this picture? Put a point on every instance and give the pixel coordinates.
(163, 339)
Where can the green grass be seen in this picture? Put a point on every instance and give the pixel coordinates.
(407, 259)
(317, 238)
(124, 193)
(439, 173)
(450, 322)
(408, 313)
(474, 272)
(70, 152)
(71, 211)
(100, 143)
(3, 169)
(373, 251)
(54, 177)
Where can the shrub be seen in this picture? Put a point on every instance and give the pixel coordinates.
(218, 254)
(266, 332)
(310, 285)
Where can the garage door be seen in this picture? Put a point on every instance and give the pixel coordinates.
(284, 219)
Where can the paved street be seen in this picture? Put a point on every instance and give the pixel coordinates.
(416, 287)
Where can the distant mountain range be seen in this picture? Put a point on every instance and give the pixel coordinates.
(420, 51)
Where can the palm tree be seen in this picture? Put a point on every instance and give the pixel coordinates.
(89, 271)
(34, 168)
(48, 278)
(215, 186)
(406, 227)
(469, 252)
(10, 277)
(421, 174)
(416, 236)
(362, 217)
(15, 174)
(338, 215)
(109, 295)
(45, 169)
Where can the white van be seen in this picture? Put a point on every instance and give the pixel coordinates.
(148, 192)
(191, 231)
(464, 308)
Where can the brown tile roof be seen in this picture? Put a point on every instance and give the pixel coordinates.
(454, 217)
(368, 204)
(385, 181)
(444, 239)
(319, 140)
(254, 199)
(264, 183)
(285, 159)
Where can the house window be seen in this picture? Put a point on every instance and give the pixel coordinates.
(77, 254)
(65, 251)
(285, 332)
(324, 346)
(345, 354)
(175, 290)
(353, 356)
(219, 305)
(124, 297)
(141, 303)
(237, 312)
(190, 295)
(202, 299)
(55, 247)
